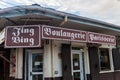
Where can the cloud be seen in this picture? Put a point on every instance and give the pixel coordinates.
(105, 10)
(4, 4)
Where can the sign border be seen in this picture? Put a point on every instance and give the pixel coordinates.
(39, 45)
(64, 29)
(101, 42)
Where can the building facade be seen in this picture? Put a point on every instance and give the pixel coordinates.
(45, 44)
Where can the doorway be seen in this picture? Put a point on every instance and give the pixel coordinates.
(77, 65)
(35, 62)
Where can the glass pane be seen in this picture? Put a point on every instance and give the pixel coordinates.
(104, 59)
(76, 76)
(37, 77)
(37, 62)
(76, 62)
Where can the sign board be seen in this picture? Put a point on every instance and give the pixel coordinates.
(22, 36)
(57, 33)
(101, 38)
(30, 36)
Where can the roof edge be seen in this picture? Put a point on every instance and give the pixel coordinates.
(36, 9)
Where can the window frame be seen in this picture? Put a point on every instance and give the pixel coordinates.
(110, 60)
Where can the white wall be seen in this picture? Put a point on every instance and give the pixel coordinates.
(57, 61)
(16, 56)
(13, 60)
(57, 56)
(47, 60)
(19, 63)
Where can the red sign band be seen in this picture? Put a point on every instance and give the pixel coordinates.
(49, 32)
(30, 36)
(22, 36)
(101, 38)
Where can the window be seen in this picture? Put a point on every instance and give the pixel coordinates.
(104, 59)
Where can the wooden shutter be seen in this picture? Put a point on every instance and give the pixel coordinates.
(116, 58)
(94, 62)
(66, 62)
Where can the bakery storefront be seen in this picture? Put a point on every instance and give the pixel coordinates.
(43, 52)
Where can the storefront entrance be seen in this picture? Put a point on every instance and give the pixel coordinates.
(35, 65)
(77, 65)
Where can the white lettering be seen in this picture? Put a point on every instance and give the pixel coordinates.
(101, 38)
(30, 41)
(63, 33)
(32, 32)
(17, 32)
(20, 32)
(72, 35)
(47, 31)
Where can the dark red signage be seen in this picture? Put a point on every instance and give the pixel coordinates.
(57, 33)
(30, 36)
(22, 36)
(101, 38)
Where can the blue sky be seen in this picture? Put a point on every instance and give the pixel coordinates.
(104, 10)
